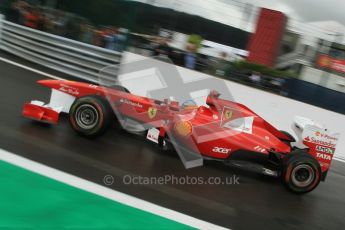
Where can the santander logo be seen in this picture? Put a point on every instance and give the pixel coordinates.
(321, 141)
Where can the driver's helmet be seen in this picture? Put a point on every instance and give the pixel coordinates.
(189, 104)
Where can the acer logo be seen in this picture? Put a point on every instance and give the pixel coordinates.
(221, 150)
(323, 156)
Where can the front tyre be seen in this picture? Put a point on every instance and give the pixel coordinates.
(301, 172)
(90, 116)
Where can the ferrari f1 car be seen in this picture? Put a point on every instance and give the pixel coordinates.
(220, 130)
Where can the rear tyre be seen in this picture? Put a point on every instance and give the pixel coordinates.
(90, 116)
(301, 172)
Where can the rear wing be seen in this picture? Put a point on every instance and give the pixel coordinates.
(320, 141)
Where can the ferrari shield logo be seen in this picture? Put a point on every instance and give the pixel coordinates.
(152, 112)
(227, 114)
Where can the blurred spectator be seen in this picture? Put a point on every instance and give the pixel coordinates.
(163, 48)
(17, 11)
(14, 13)
(87, 35)
(59, 23)
(279, 85)
(190, 56)
(99, 37)
(110, 38)
(67, 25)
(45, 23)
(255, 78)
(222, 65)
(31, 17)
(121, 39)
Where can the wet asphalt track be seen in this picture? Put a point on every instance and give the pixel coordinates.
(258, 202)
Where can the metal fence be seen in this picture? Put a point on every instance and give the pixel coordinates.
(77, 59)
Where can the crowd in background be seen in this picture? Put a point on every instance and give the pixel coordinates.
(110, 37)
(67, 25)
(218, 66)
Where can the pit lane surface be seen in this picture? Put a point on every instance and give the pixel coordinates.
(258, 202)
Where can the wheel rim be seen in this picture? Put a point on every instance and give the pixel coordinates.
(86, 116)
(303, 175)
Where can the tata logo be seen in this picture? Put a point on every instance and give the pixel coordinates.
(323, 156)
(324, 149)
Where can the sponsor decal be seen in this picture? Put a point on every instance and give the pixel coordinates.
(153, 135)
(325, 61)
(259, 149)
(324, 149)
(93, 86)
(319, 141)
(183, 128)
(322, 144)
(68, 89)
(221, 150)
(126, 101)
(323, 156)
(325, 136)
(227, 114)
(152, 112)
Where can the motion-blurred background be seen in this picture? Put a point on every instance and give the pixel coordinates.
(264, 44)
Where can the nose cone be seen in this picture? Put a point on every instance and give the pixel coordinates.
(48, 83)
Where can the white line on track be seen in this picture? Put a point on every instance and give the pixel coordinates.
(339, 159)
(30, 69)
(59, 78)
(104, 192)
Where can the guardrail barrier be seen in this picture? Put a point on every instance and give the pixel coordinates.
(75, 58)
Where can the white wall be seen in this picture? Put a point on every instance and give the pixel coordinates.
(313, 75)
(277, 110)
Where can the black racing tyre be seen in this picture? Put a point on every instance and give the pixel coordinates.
(90, 116)
(301, 172)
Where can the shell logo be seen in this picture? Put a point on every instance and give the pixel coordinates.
(183, 128)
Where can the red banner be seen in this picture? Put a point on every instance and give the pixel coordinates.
(325, 61)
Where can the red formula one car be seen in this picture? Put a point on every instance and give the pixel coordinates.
(221, 130)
